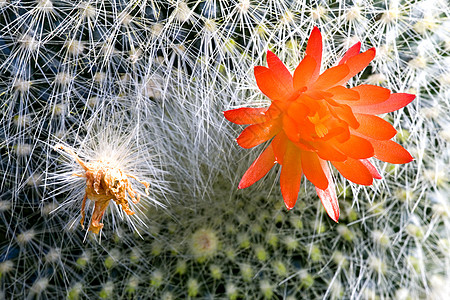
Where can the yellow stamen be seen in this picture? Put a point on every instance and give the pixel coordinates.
(321, 129)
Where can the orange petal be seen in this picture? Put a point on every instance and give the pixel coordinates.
(391, 152)
(280, 71)
(326, 151)
(304, 145)
(291, 175)
(334, 132)
(344, 135)
(314, 48)
(373, 171)
(342, 93)
(395, 102)
(356, 147)
(269, 84)
(258, 169)
(370, 94)
(312, 104)
(254, 135)
(313, 170)
(328, 197)
(331, 77)
(344, 112)
(279, 145)
(375, 127)
(352, 51)
(304, 72)
(317, 95)
(246, 115)
(354, 170)
(332, 102)
(358, 63)
(297, 110)
(275, 109)
(290, 128)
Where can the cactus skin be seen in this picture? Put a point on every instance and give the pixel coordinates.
(164, 70)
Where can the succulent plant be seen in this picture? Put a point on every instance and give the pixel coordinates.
(145, 82)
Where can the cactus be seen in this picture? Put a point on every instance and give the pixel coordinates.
(145, 83)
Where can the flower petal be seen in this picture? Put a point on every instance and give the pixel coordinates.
(344, 112)
(313, 170)
(314, 48)
(275, 109)
(358, 63)
(354, 170)
(298, 110)
(312, 104)
(335, 132)
(291, 175)
(344, 135)
(317, 95)
(328, 197)
(258, 169)
(356, 147)
(290, 128)
(327, 152)
(373, 171)
(342, 93)
(375, 127)
(246, 115)
(279, 145)
(254, 135)
(269, 84)
(395, 102)
(304, 72)
(280, 71)
(304, 145)
(331, 77)
(391, 152)
(352, 51)
(370, 94)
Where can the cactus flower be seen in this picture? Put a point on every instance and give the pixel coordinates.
(314, 120)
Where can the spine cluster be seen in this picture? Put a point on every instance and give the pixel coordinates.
(140, 85)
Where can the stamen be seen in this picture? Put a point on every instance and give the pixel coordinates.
(319, 126)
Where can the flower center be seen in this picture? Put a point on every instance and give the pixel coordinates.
(319, 126)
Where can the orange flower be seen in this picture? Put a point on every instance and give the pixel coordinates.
(314, 118)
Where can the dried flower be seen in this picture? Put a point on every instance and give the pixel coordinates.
(313, 118)
(104, 182)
